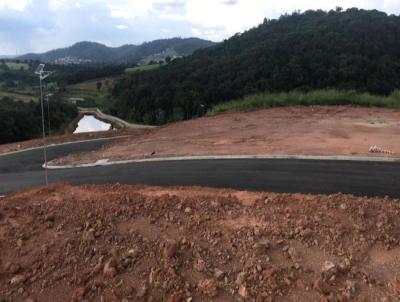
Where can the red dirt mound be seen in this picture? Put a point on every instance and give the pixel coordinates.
(134, 243)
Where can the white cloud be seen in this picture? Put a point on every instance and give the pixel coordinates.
(230, 16)
(129, 9)
(58, 23)
(238, 15)
(219, 19)
(58, 5)
(93, 19)
(122, 27)
(7, 48)
(62, 5)
(18, 5)
(213, 34)
(233, 17)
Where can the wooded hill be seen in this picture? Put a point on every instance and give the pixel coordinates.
(348, 50)
(98, 53)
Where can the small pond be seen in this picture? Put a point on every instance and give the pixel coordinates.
(89, 123)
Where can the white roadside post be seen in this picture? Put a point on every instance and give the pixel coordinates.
(43, 75)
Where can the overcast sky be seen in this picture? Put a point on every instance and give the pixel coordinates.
(40, 25)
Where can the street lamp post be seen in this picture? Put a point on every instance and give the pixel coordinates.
(48, 111)
(43, 75)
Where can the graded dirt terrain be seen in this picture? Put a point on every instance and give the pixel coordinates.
(320, 131)
(135, 243)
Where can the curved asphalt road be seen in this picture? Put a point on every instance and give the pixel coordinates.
(23, 170)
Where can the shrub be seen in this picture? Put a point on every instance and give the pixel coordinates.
(317, 97)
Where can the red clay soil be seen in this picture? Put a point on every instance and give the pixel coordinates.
(322, 131)
(136, 243)
(58, 139)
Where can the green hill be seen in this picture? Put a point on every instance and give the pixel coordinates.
(90, 52)
(346, 50)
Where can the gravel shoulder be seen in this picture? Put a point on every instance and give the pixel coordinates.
(304, 131)
(137, 243)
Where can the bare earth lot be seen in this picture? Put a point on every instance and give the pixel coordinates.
(277, 131)
(135, 243)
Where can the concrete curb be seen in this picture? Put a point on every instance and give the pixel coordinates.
(106, 162)
(64, 144)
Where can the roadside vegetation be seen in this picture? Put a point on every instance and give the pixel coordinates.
(319, 97)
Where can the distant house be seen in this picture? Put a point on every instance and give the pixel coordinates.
(75, 100)
(71, 61)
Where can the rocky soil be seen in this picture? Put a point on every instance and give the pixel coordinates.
(136, 243)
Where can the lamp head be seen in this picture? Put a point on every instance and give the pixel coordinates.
(41, 73)
(39, 69)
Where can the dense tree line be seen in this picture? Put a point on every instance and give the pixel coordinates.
(64, 74)
(11, 77)
(352, 49)
(72, 74)
(21, 121)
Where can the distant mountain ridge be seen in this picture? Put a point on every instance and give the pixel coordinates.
(83, 52)
(4, 57)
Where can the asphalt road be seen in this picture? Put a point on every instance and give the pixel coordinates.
(23, 170)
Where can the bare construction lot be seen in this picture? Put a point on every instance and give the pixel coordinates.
(316, 131)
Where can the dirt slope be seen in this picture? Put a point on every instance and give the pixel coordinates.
(276, 131)
(124, 243)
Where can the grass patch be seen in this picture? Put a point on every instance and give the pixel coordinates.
(91, 98)
(17, 65)
(91, 85)
(318, 97)
(84, 94)
(91, 95)
(142, 68)
(18, 97)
